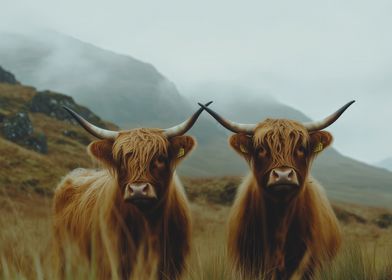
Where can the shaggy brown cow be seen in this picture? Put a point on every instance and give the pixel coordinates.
(281, 225)
(133, 210)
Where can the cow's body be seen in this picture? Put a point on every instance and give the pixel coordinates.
(281, 241)
(88, 209)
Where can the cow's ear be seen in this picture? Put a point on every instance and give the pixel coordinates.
(102, 150)
(242, 144)
(320, 140)
(180, 147)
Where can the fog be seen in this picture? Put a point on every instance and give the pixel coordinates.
(313, 56)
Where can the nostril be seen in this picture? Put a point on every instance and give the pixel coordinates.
(145, 189)
(130, 189)
(275, 174)
(291, 174)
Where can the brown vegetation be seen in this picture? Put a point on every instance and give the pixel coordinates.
(25, 225)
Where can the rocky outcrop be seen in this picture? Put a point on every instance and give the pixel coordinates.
(18, 128)
(7, 77)
(384, 220)
(51, 104)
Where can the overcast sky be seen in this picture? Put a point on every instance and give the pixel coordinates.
(312, 55)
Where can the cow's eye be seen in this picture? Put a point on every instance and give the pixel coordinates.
(261, 152)
(160, 162)
(301, 150)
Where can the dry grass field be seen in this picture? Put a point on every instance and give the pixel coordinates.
(25, 237)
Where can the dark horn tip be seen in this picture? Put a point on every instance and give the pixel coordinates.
(69, 110)
(204, 106)
(348, 104)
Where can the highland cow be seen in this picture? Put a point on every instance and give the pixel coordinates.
(281, 225)
(134, 209)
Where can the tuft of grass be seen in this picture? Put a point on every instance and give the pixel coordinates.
(356, 261)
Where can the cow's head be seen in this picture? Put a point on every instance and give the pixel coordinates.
(143, 160)
(280, 151)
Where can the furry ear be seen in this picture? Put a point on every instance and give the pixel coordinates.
(320, 140)
(102, 150)
(242, 144)
(180, 146)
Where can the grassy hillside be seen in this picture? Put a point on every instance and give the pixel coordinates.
(24, 169)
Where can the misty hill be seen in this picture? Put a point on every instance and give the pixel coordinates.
(385, 163)
(124, 90)
(111, 85)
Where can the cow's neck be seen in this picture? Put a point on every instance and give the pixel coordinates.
(278, 212)
(155, 216)
(279, 218)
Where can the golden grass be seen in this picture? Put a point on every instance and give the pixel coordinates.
(25, 235)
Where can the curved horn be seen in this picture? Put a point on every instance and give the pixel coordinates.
(319, 125)
(232, 126)
(183, 127)
(92, 129)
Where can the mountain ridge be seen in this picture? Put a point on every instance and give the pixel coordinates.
(341, 176)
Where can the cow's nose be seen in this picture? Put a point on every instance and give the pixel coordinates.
(283, 176)
(139, 191)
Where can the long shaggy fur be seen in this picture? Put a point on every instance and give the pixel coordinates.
(275, 239)
(264, 237)
(135, 150)
(280, 140)
(90, 214)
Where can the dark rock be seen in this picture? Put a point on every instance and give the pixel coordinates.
(228, 194)
(348, 217)
(384, 220)
(223, 195)
(36, 142)
(51, 104)
(7, 77)
(17, 126)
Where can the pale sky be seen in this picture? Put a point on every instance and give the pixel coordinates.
(312, 55)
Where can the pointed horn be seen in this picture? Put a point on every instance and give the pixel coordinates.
(319, 125)
(92, 129)
(232, 126)
(182, 128)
